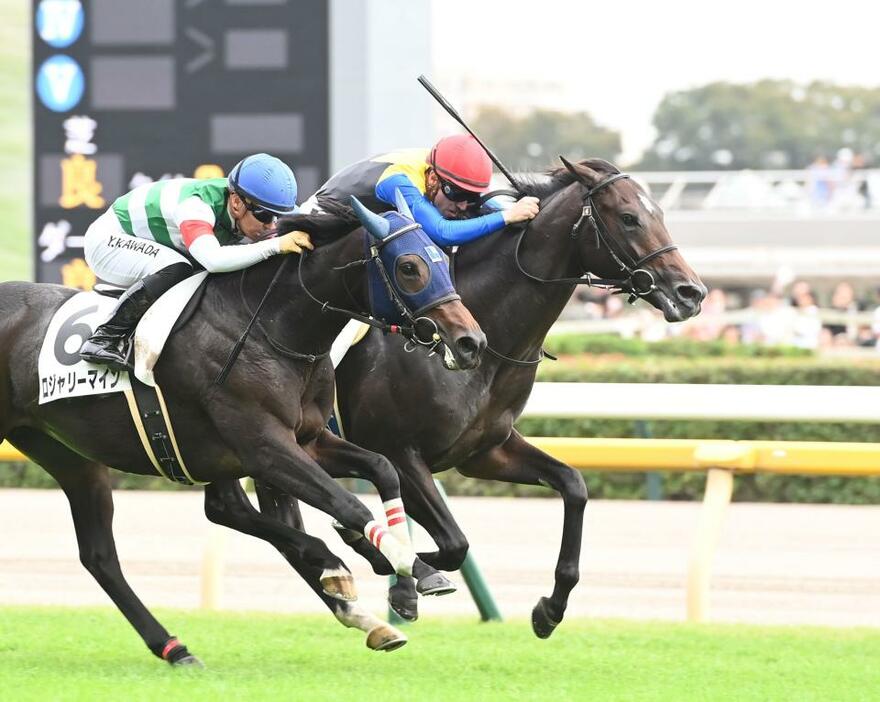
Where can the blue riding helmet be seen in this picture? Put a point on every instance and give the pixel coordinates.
(266, 181)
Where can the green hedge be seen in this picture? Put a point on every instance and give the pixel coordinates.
(28, 475)
(731, 371)
(746, 371)
(658, 369)
(682, 347)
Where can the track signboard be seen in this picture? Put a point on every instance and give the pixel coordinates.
(128, 91)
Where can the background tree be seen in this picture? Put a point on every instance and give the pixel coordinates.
(532, 142)
(768, 124)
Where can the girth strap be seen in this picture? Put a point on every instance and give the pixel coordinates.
(150, 416)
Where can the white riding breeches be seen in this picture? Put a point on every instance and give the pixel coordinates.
(121, 259)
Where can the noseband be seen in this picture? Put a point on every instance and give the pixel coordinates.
(638, 282)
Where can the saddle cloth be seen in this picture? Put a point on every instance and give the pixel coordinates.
(63, 374)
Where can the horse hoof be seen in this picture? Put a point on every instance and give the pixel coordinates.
(405, 608)
(339, 584)
(385, 638)
(542, 623)
(189, 661)
(435, 584)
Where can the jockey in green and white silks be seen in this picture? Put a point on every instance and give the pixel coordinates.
(151, 237)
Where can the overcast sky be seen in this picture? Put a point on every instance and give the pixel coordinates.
(618, 58)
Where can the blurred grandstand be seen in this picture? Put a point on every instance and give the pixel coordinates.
(785, 265)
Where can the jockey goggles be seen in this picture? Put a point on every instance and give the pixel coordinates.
(457, 194)
(261, 214)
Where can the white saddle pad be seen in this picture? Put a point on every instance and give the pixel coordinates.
(351, 333)
(155, 326)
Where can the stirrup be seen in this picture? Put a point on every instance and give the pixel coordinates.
(111, 357)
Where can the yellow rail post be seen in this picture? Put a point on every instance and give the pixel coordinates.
(212, 568)
(720, 460)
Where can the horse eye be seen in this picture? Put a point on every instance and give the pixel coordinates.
(630, 220)
(408, 268)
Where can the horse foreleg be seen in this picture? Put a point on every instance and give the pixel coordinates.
(279, 505)
(517, 461)
(228, 505)
(381, 636)
(291, 469)
(426, 506)
(344, 460)
(87, 487)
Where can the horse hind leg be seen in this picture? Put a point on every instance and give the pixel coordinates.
(87, 487)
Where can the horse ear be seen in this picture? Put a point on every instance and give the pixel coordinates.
(377, 226)
(585, 175)
(402, 207)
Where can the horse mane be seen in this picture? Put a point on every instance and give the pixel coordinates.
(334, 222)
(556, 179)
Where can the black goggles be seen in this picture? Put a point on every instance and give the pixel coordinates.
(456, 194)
(261, 214)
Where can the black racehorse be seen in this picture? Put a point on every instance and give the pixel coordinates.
(265, 420)
(594, 220)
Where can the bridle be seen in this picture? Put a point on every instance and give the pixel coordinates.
(638, 282)
(420, 330)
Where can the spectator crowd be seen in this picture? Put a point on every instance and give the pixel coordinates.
(792, 314)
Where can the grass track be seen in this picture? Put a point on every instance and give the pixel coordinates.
(91, 654)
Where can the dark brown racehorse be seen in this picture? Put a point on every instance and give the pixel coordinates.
(266, 420)
(593, 219)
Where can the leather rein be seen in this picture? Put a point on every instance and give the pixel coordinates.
(408, 331)
(639, 281)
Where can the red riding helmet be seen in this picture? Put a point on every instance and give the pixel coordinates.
(462, 161)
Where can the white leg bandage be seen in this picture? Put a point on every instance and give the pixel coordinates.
(400, 556)
(395, 516)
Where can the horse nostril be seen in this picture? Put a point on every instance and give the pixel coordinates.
(690, 293)
(468, 347)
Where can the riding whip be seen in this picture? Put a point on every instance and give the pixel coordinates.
(444, 103)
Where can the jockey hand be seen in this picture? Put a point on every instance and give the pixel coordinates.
(522, 210)
(295, 242)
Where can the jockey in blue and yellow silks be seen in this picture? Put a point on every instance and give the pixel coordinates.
(439, 185)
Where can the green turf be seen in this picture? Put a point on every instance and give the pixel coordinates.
(15, 141)
(91, 654)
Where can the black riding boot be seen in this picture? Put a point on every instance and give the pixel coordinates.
(109, 345)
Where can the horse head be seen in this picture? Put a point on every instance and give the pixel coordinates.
(409, 285)
(620, 231)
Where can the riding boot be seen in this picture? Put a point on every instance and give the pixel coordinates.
(109, 344)
(105, 346)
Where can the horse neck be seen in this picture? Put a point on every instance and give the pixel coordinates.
(290, 317)
(515, 312)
